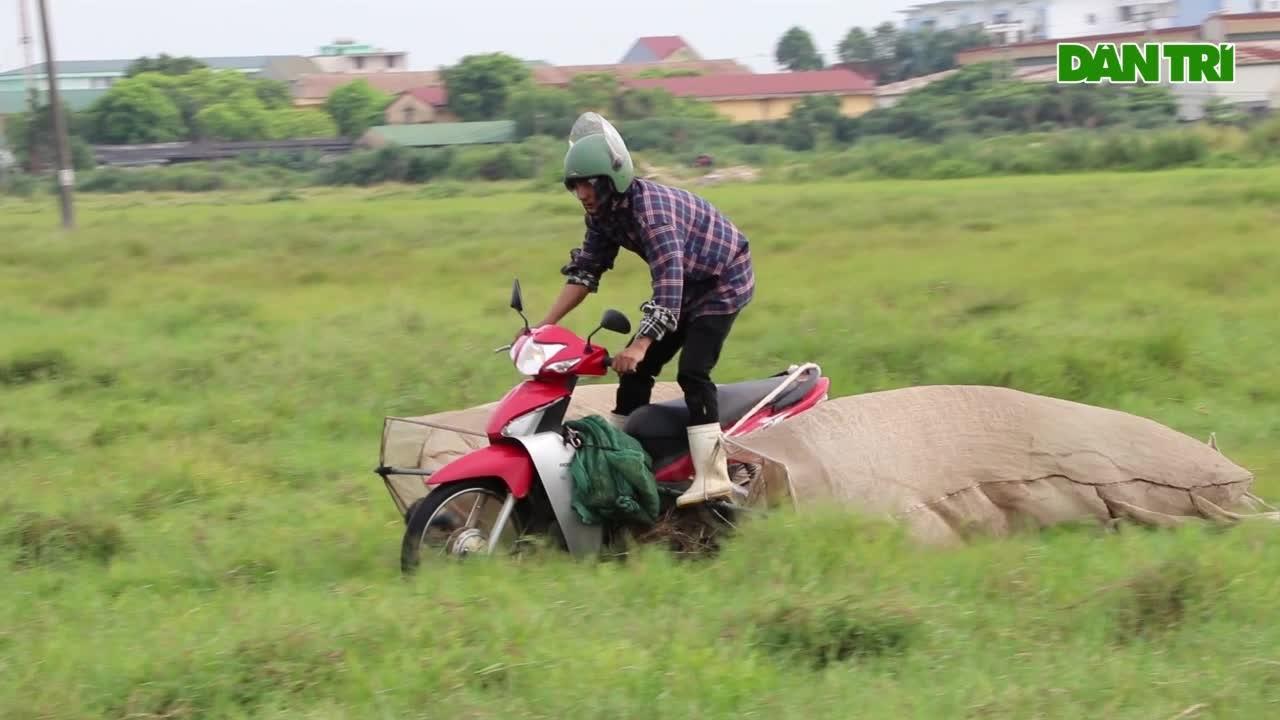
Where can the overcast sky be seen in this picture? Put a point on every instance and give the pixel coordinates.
(587, 31)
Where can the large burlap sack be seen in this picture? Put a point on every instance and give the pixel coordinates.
(954, 461)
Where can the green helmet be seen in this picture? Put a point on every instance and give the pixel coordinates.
(596, 150)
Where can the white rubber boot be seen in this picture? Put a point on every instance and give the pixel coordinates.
(710, 466)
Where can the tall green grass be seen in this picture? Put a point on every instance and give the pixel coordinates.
(191, 396)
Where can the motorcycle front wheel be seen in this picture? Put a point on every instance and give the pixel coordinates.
(456, 520)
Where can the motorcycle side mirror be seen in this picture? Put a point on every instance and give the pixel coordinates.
(517, 302)
(614, 321)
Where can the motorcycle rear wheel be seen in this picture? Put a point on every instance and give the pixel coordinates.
(433, 522)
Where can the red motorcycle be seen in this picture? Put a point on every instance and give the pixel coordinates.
(523, 474)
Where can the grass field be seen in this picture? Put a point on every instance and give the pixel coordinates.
(192, 390)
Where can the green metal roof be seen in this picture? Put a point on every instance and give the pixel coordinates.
(436, 134)
(15, 102)
(75, 67)
(118, 67)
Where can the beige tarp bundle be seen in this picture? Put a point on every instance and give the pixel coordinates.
(948, 461)
(952, 461)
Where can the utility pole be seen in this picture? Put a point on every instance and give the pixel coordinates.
(66, 176)
(29, 80)
(24, 39)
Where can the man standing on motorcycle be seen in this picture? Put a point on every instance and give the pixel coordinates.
(702, 277)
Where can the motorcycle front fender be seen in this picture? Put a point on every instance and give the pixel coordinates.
(551, 456)
(509, 462)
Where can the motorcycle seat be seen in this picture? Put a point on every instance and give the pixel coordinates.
(671, 418)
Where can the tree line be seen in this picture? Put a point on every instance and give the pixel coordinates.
(169, 99)
(886, 52)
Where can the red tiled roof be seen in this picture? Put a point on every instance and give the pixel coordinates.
(1250, 16)
(318, 86)
(1257, 54)
(759, 85)
(433, 95)
(663, 45)
(563, 74)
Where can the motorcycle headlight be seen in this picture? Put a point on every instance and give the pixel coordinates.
(525, 424)
(531, 356)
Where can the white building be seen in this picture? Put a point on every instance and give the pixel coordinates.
(1013, 21)
(1257, 82)
(1008, 21)
(345, 55)
(1071, 18)
(1256, 35)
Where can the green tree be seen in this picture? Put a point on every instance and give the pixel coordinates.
(900, 55)
(856, 47)
(479, 85)
(30, 137)
(356, 107)
(884, 42)
(644, 103)
(593, 91)
(542, 111)
(164, 64)
(135, 111)
(294, 124)
(198, 90)
(239, 118)
(274, 94)
(796, 51)
(813, 122)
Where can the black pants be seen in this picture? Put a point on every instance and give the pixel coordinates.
(701, 340)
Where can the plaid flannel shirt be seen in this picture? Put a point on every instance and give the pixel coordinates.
(699, 263)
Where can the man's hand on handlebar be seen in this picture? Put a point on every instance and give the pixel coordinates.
(626, 361)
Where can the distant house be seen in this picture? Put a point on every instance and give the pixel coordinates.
(1009, 22)
(420, 105)
(311, 91)
(1045, 52)
(750, 96)
(1004, 22)
(347, 56)
(663, 48)
(1256, 88)
(440, 134)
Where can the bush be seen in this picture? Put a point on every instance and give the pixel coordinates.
(17, 184)
(44, 539)
(667, 142)
(1265, 138)
(818, 634)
